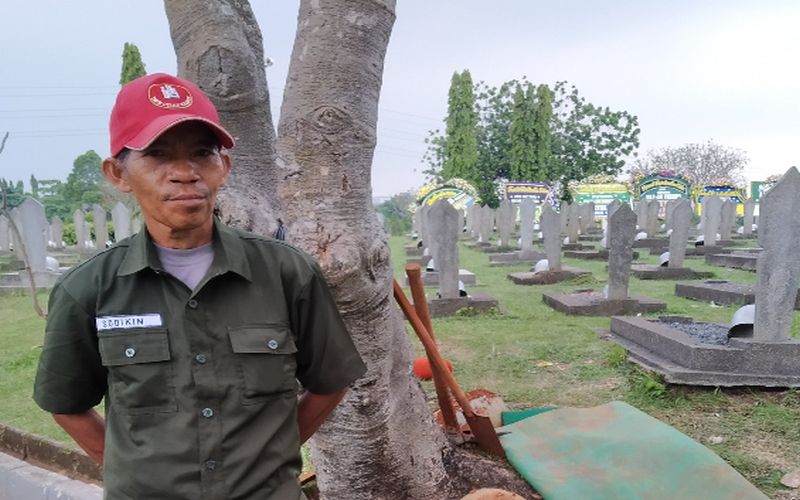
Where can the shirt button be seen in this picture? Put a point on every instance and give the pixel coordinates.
(130, 352)
(211, 464)
(201, 359)
(207, 412)
(192, 304)
(272, 344)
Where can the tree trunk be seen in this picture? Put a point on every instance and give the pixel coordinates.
(219, 47)
(381, 442)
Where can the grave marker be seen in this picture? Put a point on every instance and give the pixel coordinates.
(550, 224)
(57, 232)
(621, 232)
(100, 226)
(712, 208)
(443, 221)
(121, 218)
(680, 219)
(4, 236)
(34, 228)
(749, 209)
(778, 268)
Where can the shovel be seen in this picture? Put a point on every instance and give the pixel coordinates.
(480, 425)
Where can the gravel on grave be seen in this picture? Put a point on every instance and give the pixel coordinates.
(730, 287)
(706, 333)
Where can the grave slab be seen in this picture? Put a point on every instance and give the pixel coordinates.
(413, 250)
(431, 278)
(515, 258)
(576, 246)
(592, 303)
(651, 242)
(650, 272)
(682, 351)
(440, 308)
(734, 260)
(692, 251)
(566, 273)
(601, 254)
(721, 292)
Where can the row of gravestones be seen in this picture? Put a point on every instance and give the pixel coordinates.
(36, 234)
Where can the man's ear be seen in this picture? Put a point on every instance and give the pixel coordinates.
(114, 171)
(226, 165)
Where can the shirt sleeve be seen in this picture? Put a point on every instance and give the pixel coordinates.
(70, 377)
(327, 360)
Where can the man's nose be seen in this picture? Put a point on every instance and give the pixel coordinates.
(183, 170)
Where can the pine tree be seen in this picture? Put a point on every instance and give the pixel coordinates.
(523, 136)
(132, 65)
(461, 138)
(543, 134)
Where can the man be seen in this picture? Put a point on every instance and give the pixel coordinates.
(194, 333)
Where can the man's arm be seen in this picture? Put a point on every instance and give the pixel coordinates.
(313, 409)
(88, 429)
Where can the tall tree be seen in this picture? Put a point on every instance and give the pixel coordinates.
(132, 65)
(543, 133)
(461, 139)
(523, 136)
(702, 164)
(588, 139)
(381, 441)
(84, 181)
(34, 186)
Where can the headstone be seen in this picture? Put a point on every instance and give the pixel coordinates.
(100, 226)
(641, 214)
(414, 223)
(563, 213)
(712, 212)
(680, 219)
(573, 223)
(57, 232)
(443, 219)
(621, 232)
(612, 207)
(4, 236)
(121, 218)
(505, 222)
(749, 208)
(462, 219)
(586, 214)
(778, 269)
(527, 210)
(80, 229)
(35, 229)
(551, 233)
(16, 235)
(651, 224)
(727, 218)
(671, 204)
(471, 219)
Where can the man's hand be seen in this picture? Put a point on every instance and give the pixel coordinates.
(87, 429)
(313, 409)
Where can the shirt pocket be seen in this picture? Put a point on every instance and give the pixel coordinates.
(264, 356)
(140, 370)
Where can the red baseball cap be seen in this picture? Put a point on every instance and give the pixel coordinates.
(149, 106)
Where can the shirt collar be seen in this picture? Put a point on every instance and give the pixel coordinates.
(229, 253)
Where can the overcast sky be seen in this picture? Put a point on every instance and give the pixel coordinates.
(691, 71)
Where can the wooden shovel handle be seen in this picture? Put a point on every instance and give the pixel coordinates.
(414, 274)
(431, 349)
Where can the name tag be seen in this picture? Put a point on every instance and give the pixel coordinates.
(131, 321)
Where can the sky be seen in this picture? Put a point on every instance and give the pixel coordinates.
(691, 71)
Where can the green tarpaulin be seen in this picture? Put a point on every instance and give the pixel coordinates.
(615, 451)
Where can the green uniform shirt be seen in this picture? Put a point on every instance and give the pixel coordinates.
(200, 386)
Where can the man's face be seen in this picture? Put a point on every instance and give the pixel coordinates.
(176, 179)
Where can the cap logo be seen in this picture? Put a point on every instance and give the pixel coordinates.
(169, 96)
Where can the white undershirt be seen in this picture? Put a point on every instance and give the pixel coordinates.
(189, 266)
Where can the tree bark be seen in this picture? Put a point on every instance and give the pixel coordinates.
(219, 47)
(382, 442)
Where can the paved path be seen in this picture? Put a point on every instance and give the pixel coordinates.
(22, 481)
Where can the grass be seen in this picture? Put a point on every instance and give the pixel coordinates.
(532, 356)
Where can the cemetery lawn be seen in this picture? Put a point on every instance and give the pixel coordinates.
(532, 356)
